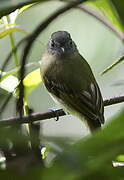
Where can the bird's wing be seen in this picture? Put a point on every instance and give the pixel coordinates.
(89, 103)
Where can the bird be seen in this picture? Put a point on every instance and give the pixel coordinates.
(70, 81)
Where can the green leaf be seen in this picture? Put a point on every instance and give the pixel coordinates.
(31, 81)
(4, 75)
(25, 7)
(15, 71)
(119, 5)
(8, 6)
(108, 11)
(92, 157)
(10, 30)
(9, 84)
(44, 152)
(120, 158)
(12, 16)
(113, 65)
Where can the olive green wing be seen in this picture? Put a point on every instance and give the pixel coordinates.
(88, 103)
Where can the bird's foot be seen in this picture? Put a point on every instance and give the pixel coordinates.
(54, 110)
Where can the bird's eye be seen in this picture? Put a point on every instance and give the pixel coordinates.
(70, 42)
(52, 44)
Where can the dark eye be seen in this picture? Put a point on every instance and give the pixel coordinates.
(52, 44)
(70, 42)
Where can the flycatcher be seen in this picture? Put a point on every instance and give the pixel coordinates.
(69, 79)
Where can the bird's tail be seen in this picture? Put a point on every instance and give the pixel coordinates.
(93, 124)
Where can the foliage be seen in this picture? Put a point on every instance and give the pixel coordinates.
(90, 158)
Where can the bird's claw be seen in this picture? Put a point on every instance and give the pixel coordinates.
(55, 113)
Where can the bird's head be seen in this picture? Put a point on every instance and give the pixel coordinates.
(61, 44)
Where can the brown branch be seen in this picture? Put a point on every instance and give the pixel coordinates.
(115, 100)
(103, 20)
(48, 115)
(33, 117)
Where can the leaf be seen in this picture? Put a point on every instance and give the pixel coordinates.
(92, 157)
(113, 65)
(107, 10)
(119, 5)
(14, 71)
(31, 81)
(120, 158)
(13, 16)
(10, 30)
(25, 7)
(4, 75)
(8, 6)
(9, 84)
(44, 152)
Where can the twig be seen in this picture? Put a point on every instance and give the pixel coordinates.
(33, 117)
(48, 115)
(103, 20)
(115, 100)
(113, 65)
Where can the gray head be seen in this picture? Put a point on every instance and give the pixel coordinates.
(61, 44)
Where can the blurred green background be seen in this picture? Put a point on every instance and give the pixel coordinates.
(100, 47)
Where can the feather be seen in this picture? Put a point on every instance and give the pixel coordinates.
(69, 78)
(86, 103)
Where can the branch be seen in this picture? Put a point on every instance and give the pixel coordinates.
(115, 100)
(103, 20)
(48, 115)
